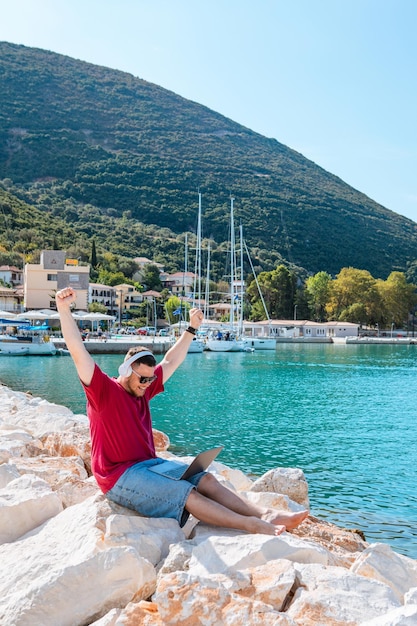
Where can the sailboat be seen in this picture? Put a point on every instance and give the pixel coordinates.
(228, 340)
(257, 343)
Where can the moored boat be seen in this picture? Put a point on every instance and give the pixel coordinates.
(12, 348)
(260, 343)
(27, 344)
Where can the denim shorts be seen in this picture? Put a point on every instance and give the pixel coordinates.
(151, 494)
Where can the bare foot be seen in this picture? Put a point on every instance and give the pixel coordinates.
(259, 526)
(289, 519)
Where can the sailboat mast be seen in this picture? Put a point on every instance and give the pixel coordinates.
(197, 278)
(183, 277)
(207, 292)
(242, 287)
(232, 262)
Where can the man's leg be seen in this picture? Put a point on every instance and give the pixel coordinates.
(214, 513)
(221, 507)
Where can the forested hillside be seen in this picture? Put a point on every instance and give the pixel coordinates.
(98, 152)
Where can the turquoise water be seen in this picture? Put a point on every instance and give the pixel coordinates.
(346, 415)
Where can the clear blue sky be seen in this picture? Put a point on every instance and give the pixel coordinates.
(334, 79)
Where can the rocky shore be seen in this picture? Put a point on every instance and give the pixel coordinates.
(68, 557)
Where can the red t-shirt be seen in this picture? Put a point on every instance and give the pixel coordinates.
(120, 426)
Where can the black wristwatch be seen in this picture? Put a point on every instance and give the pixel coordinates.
(191, 330)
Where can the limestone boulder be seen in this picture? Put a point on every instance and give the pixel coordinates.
(226, 554)
(236, 478)
(8, 472)
(411, 596)
(161, 440)
(35, 415)
(188, 599)
(150, 537)
(403, 616)
(66, 572)
(333, 596)
(54, 470)
(344, 544)
(381, 563)
(25, 503)
(74, 441)
(75, 490)
(288, 481)
(141, 613)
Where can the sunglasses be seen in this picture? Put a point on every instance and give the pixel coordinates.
(144, 379)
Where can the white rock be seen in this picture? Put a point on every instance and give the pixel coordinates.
(110, 619)
(277, 501)
(272, 582)
(239, 480)
(8, 472)
(380, 562)
(75, 490)
(403, 616)
(64, 572)
(411, 596)
(334, 595)
(226, 554)
(54, 470)
(150, 537)
(35, 415)
(25, 503)
(16, 435)
(11, 448)
(286, 480)
(183, 598)
(178, 558)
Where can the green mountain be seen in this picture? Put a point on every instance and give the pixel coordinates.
(112, 156)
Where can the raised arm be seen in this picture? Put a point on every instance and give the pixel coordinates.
(175, 355)
(82, 359)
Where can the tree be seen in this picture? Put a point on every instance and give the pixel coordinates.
(278, 289)
(398, 298)
(97, 307)
(318, 293)
(105, 277)
(151, 277)
(93, 255)
(352, 286)
(411, 273)
(175, 304)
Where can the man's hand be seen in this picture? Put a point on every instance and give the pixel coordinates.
(64, 298)
(82, 359)
(196, 318)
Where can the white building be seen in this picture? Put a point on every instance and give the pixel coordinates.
(179, 283)
(105, 295)
(11, 275)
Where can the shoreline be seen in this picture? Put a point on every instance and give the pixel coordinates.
(57, 530)
(160, 345)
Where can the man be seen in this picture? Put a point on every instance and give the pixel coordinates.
(122, 447)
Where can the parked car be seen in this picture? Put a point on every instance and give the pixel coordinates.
(146, 330)
(163, 332)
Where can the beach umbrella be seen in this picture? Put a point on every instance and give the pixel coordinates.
(97, 317)
(7, 315)
(32, 315)
(56, 316)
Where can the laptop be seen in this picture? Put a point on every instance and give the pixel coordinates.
(180, 471)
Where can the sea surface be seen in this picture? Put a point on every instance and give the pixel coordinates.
(345, 414)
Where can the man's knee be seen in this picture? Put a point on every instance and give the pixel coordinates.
(207, 484)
